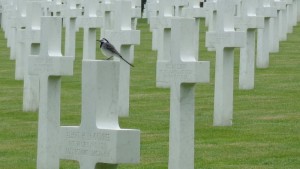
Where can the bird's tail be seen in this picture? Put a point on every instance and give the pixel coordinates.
(126, 61)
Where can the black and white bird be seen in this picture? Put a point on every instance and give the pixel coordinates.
(110, 51)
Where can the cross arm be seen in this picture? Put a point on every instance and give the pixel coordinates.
(225, 39)
(52, 66)
(194, 12)
(185, 72)
(123, 37)
(249, 22)
(160, 22)
(269, 12)
(90, 22)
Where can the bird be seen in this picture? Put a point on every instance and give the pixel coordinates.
(110, 51)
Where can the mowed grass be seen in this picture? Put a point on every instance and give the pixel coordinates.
(265, 133)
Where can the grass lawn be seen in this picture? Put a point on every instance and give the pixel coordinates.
(265, 134)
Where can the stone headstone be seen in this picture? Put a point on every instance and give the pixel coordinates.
(224, 40)
(181, 72)
(248, 22)
(32, 47)
(151, 9)
(107, 13)
(290, 15)
(90, 22)
(194, 10)
(179, 5)
(70, 13)
(276, 23)
(46, 5)
(210, 20)
(123, 37)
(12, 29)
(1, 11)
(55, 7)
(153, 13)
(136, 6)
(282, 20)
(19, 22)
(298, 11)
(19, 60)
(3, 17)
(263, 35)
(8, 15)
(295, 13)
(98, 142)
(49, 65)
(160, 27)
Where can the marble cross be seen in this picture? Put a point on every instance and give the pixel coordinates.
(123, 37)
(32, 47)
(224, 40)
(181, 72)
(90, 22)
(248, 22)
(263, 35)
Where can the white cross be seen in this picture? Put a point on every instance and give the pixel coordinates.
(160, 27)
(265, 10)
(70, 13)
(50, 65)
(9, 15)
(20, 45)
(179, 5)
(248, 22)
(123, 38)
(90, 23)
(152, 9)
(99, 139)
(276, 25)
(181, 72)
(298, 9)
(136, 12)
(238, 5)
(152, 12)
(32, 47)
(210, 21)
(16, 22)
(98, 142)
(195, 11)
(295, 13)
(290, 15)
(106, 11)
(55, 7)
(19, 23)
(224, 40)
(282, 28)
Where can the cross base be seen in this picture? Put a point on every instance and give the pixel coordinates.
(111, 146)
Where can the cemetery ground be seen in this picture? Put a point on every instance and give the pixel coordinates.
(265, 132)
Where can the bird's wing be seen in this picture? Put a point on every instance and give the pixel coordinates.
(111, 48)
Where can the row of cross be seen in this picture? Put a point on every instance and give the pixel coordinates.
(231, 24)
(33, 30)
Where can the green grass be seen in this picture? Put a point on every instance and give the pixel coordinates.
(265, 134)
